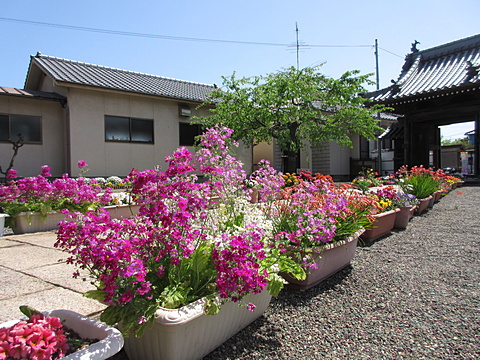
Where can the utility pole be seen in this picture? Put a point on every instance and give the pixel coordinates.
(298, 46)
(379, 141)
(376, 65)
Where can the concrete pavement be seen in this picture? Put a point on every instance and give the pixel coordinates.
(34, 273)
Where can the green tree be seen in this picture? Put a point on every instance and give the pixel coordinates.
(463, 141)
(294, 107)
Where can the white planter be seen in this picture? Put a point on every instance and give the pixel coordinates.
(188, 334)
(35, 222)
(2, 222)
(122, 211)
(111, 340)
(334, 258)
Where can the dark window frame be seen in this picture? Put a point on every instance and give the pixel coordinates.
(8, 118)
(132, 133)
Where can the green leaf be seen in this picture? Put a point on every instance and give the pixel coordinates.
(211, 307)
(98, 295)
(29, 311)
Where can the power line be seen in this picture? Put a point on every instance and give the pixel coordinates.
(164, 37)
(401, 57)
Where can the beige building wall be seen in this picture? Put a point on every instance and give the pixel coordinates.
(87, 128)
(31, 157)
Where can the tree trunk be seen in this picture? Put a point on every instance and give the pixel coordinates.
(291, 161)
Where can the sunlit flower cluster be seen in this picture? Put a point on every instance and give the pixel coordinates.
(38, 338)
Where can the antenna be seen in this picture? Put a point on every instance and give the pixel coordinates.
(376, 65)
(299, 45)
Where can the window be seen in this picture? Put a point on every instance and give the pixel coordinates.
(188, 132)
(126, 129)
(30, 127)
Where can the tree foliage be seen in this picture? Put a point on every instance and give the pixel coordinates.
(463, 141)
(294, 106)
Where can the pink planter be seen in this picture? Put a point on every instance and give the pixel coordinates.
(403, 216)
(334, 258)
(382, 226)
(422, 205)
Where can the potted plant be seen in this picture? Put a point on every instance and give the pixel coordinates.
(180, 256)
(407, 204)
(36, 203)
(57, 334)
(420, 182)
(319, 224)
(2, 222)
(385, 212)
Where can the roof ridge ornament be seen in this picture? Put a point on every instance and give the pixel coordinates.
(414, 49)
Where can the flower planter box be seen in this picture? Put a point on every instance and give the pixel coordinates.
(437, 196)
(35, 222)
(122, 211)
(334, 258)
(2, 223)
(431, 202)
(111, 340)
(422, 205)
(188, 334)
(383, 225)
(403, 217)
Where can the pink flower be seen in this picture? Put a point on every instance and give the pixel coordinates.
(11, 174)
(82, 164)
(46, 171)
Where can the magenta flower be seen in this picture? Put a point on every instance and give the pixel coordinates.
(11, 174)
(81, 164)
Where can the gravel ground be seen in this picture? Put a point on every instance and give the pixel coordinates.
(414, 294)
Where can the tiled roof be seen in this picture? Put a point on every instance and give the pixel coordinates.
(442, 69)
(69, 71)
(30, 93)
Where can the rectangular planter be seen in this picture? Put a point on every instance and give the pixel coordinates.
(334, 258)
(2, 223)
(382, 226)
(404, 216)
(122, 211)
(422, 205)
(110, 339)
(188, 334)
(35, 222)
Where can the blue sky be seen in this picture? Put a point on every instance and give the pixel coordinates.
(252, 37)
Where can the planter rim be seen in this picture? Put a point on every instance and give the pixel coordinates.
(317, 250)
(387, 212)
(427, 198)
(38, 213)
(185, 313)
(4, 215)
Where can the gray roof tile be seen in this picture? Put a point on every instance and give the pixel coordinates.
(444, 68)
(30, 93)
(69, 71)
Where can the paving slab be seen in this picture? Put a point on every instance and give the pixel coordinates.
(14, 284)
(8, 243)
(50, 299)
(61, 275)
(44, 239)
(26, 256)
